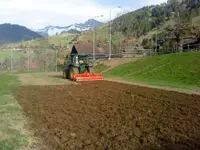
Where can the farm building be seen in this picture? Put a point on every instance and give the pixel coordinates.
(189, 44)
(101, 50)
(87, 48)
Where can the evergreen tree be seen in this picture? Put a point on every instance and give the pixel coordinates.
(136, 22)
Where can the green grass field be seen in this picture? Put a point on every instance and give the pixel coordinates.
(100, 67)
(7, 54)
(176, 70)
(13, 134)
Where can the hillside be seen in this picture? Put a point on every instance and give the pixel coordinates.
(180, 69)
(102, 36)
(10, 33)
(71, 31)
(140, 27)
(143, 20)
(58, 40)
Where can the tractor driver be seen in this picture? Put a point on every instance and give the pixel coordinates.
(81, 61)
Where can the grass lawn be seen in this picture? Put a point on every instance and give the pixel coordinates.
(7, 54)
(100, 67)
(177, 70)
(49, 79)
(13, 135)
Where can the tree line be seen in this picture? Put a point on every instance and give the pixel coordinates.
(141, 21)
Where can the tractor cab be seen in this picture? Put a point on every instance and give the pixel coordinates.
(79, 59)
(80, 62)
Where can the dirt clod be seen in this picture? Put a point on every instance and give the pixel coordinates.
(89, 116)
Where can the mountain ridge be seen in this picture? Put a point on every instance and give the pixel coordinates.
(12, 33)
(54, 30)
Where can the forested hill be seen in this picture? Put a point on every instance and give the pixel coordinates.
(11, 33)
(141, 21)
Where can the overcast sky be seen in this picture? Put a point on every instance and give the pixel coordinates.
(37, 14)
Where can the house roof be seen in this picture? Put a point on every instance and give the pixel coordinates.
(87, 48)
(189, 41)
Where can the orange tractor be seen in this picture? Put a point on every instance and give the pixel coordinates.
(79, 69)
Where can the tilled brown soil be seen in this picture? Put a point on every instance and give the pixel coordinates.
(106, 115)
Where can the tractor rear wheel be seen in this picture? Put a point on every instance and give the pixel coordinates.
(65, 74)
(72, 71)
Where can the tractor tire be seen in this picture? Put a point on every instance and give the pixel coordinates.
(90, 69)
(65, 74)
(71, 72)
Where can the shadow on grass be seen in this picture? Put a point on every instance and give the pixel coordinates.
(56, 76)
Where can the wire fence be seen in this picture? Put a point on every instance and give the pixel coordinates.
(29, 60)
(135, 51)
(191, 47)
(40, 59)
(49, 58)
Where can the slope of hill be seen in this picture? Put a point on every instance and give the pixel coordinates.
(46, 42)
(178, 70)
(148, 23)
(143, 20)
(141, 24)
(102, 36)
(54, 30)
(71, 31)
(10, 33)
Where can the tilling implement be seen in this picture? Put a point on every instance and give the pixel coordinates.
(79, 69)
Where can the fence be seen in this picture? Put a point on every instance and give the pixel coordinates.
(29, 59)
(135, 52)
(46, 59)
(103, 56)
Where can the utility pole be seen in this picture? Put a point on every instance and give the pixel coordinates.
(56, 60)
(156, 39)
(110, 42)
(46, 66)
(11, 60)
(94, 37)
(156, 49)
(29, 57)
(28, 60)
(93, 42)
(156, 42)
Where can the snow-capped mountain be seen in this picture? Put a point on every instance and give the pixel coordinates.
(54, 30)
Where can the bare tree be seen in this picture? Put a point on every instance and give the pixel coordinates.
(176, 33)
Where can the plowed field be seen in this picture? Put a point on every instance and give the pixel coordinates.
(106, 115)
